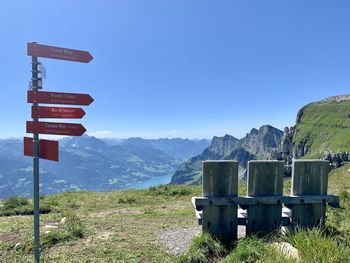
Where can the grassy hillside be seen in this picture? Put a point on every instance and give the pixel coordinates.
(124, 226)
(324, 127)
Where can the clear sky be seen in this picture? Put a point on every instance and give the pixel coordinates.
(181, 68)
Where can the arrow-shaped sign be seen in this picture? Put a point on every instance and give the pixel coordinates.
(72, 129)
(47, 149)
(58, 98)
(57, 112)
(36, 50)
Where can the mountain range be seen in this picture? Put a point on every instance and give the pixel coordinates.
(89, 163)
(322, 131)
(181, 149)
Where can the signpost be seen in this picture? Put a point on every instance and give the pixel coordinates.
(57, 112)
(47, 149)
(58, 98)
(43, 51)
(70, 129)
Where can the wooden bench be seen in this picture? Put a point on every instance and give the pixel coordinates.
(264, 209)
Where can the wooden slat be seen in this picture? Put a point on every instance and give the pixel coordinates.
(247, 200)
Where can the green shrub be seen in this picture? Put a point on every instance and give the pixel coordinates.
(203, 249)
(126, 200)
(21, 206)
(74, 226)
(54, 237)
(170, 190)
(15, 202)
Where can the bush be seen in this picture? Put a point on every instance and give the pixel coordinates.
(126, 200)
(74, 226)
(55, 237)
(15, 202)
(21, 206)
(169, 190)
(203, 249)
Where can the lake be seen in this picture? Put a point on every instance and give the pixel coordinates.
(165, 179)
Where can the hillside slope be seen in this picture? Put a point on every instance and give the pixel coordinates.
(323, 127)
(131, 225)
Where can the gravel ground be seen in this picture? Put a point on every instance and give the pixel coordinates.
(177, 240)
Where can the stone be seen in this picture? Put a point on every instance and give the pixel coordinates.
(287, 250)
(50, 227)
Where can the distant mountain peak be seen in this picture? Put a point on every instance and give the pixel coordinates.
(254, 131)
(226, 137)
(85, 141)
(259, 143)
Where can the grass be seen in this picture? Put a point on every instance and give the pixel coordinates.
(255, 249)
(121, 226)
(117, 226)
(318, 245)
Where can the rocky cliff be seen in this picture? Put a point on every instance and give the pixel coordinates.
(257, 144)
(322, 131)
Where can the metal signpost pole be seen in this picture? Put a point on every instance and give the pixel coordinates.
(36, 167)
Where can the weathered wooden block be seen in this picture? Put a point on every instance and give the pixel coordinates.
(265, 178)
(220, 179)
(309, 177)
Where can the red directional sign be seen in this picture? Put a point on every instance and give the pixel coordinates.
(57, 112)
(72, 129)
(36, 50)
(58, 98)
(47, 149)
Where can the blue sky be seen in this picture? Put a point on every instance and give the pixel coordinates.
(178, 68)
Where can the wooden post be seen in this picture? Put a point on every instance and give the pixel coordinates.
(309, 177)
(265, 178)
(220, 179)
